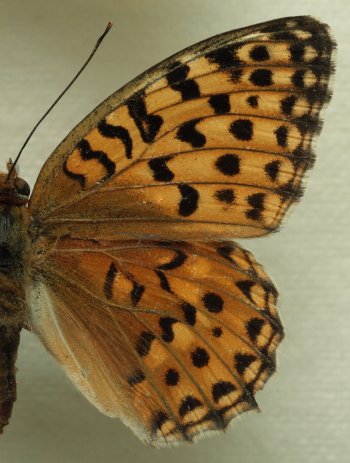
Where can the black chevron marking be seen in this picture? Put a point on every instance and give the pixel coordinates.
(164, 283)
(189, 89)
(148, 124)
(81, 178)
(189, 134)
(166, 324)
(189, 202)
(110, 277)
(144, 343)
(246, 287)
(87, 154)
(112, 131)
(188, 404)
(225, 251)
(161, 172)
(178, 260)
(136, 293)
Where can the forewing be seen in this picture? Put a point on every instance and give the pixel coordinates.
(212, 143)
(173, 338)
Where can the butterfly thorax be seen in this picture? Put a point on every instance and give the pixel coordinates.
(14, 245)
(14, 220)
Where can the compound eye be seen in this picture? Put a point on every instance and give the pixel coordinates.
(22, 186)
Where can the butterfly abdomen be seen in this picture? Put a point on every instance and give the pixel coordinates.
(9, 341)
(12, 309)
(14, 245)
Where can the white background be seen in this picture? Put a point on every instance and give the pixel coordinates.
(306, 406)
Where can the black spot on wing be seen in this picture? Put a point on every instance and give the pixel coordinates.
(200, 357)
(259, 53)
(220, 103)
(226, 196)
(112, 131)
(137, 289)
(189, 313)
(225, 252)
(188, 133)
(253, 101)
(166, 324)
(221, 389)
(213, 302)
(235, 75)
(189, 89)
(298, 78)
(172, 377)
(136, 377)
(282, 136)
(178, 73)
(144, 343)
(225, 57)
(108, 284)
(287, 104)
(254, 327)
(136, 293)
(297, 51)
(160, 418)
(243, 361)
(245, 286)
(228, 164)
(306, 123)
(147, 124)
(189, 202)
(161, 172)
(272, 170)
(188, 404)
(256, 200)
(242, 129)
(217, 331)
(261, 77)
(86, 153)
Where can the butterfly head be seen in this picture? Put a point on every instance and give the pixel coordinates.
(13, 189)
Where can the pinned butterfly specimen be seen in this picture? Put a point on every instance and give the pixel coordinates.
(122, 262)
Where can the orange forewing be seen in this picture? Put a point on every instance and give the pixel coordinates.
(212, 143)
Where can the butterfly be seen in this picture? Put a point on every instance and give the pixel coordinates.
(123, 263)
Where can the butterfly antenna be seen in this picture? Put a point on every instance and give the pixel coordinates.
(98, 43)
